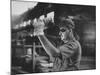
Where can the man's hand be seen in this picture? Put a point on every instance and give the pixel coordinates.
(38, 27)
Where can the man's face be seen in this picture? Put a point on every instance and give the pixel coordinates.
(63, 33)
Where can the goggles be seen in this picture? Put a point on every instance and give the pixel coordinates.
(62, 30)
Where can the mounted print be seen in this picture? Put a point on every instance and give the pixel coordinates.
(52, 37)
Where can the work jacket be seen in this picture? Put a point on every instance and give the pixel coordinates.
(68, 58)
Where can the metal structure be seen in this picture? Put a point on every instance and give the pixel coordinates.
(24, 48)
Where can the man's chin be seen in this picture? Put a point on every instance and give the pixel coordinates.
(62, 39)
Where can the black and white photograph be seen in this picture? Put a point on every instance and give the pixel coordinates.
(52, 37)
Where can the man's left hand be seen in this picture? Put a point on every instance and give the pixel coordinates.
(38, 27)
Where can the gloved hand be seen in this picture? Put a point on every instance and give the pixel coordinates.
(39, 26)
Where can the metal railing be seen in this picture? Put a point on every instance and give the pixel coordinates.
(33, 50)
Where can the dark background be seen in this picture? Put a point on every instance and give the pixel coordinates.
(85, 24)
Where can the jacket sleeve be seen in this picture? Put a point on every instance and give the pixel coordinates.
(48, 46)
(68, 49)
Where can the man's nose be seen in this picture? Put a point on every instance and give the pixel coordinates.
(60, 33)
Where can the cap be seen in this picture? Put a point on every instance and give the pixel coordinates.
(66, 22)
